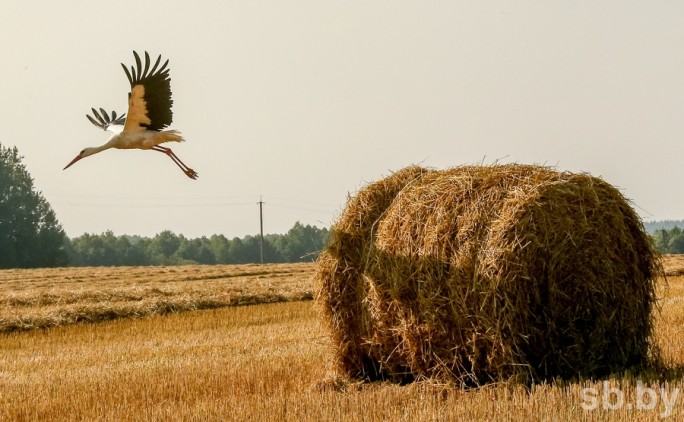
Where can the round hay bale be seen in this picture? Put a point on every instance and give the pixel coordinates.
(480, 274)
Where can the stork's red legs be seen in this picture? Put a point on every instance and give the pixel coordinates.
(187, 170)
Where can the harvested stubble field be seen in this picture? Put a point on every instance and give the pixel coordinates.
(269, 362)
(31, 299)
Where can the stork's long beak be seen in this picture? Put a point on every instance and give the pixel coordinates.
(78, 157)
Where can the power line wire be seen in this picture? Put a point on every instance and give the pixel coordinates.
(119, 205)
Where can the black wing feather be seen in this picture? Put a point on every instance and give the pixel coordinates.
(147, 65)
(128, 74)
(155, 65)
(120, 120)
(106, 116)
(157, 84)
(138, 65)
(98, 117)
(93, 121)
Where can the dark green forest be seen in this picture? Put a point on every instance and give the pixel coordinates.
(30, 235)
(300, 244)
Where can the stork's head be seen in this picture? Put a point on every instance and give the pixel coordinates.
(86, 152)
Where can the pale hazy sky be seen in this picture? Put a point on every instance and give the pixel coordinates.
(304, 102)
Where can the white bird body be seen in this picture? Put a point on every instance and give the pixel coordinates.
(149, 112)
(140, 140)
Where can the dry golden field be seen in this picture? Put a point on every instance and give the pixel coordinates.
(44, 298)
(264, 362)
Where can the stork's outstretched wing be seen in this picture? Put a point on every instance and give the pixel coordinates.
(104, 122)
(149, 102)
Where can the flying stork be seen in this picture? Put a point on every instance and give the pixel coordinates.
(149, 112)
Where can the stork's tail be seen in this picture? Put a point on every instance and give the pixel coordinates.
(166, 136)
(170, 136)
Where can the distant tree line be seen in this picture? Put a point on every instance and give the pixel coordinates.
(300, 244)
(652, 226)
(31, 236)
(669, 241)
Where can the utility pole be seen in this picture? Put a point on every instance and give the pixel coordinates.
(261, 229)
